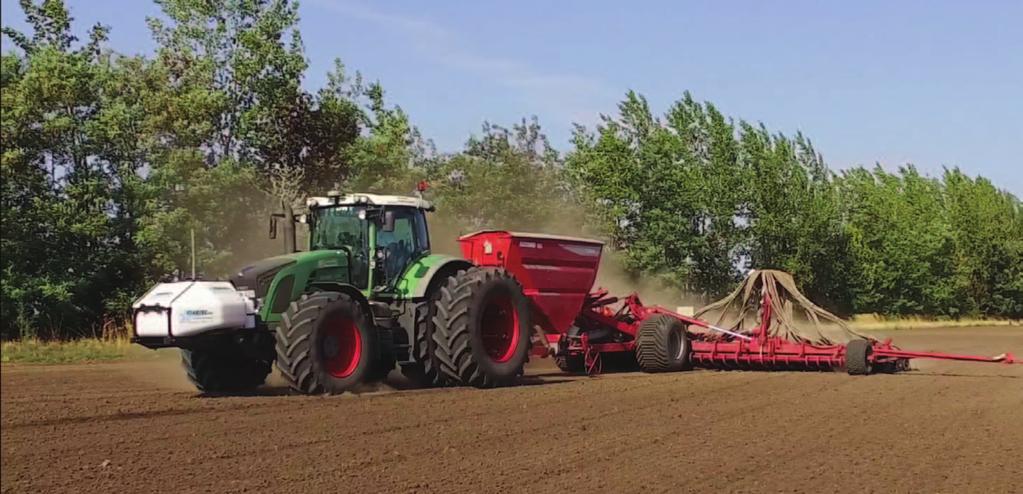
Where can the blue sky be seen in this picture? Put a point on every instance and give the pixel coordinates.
(935, 83)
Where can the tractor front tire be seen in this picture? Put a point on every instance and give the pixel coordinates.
(662, 344)
(325, 344)
(224, 370)
(481, 328)
(857, 357)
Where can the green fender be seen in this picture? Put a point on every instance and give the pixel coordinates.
(416, 282)
(294, 279)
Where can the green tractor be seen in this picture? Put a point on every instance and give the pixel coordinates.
(366, 298)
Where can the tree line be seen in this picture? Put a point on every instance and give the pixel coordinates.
(700, 198)
(109, 161)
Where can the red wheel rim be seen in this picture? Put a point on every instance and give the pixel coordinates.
(500, 327)
(341, 346)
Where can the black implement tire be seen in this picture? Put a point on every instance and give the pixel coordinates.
(481, 328)
(662, 344)
(571, 363)
(425, 370)
(325, 344)
(224, 370)
(857, 357)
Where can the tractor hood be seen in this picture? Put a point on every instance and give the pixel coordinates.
(258, 275)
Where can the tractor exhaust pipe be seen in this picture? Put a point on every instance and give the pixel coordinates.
(192, 231)
(288, 215)
(290, 245)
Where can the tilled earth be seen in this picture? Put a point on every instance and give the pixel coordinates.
(137, 427)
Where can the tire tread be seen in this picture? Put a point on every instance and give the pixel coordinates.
(453, 326)
(652, 345)
(294, 338)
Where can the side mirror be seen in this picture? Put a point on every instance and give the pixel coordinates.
(273, 227)
(388, 225)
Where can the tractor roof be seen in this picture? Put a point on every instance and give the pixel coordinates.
(369, 199)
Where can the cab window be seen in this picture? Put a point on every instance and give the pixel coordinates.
(401, 246)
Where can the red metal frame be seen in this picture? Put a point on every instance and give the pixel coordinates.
(556, 273)
(722, 348)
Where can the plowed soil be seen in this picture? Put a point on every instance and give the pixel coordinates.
(138, 427)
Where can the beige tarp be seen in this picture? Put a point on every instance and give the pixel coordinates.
(793, 317)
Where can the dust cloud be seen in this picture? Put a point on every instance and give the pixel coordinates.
(445, 230)
(652, 291)
(160, 369)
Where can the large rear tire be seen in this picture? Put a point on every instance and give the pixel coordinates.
(325, 344)
(224, 370)
(662, 344)
(425, 370)
(481, 329)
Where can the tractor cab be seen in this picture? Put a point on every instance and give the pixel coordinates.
(380, 234)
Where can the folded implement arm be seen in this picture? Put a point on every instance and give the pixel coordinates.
(713, 346)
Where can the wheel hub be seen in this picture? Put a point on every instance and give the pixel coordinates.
(341, 346)
(677, 346)
(500, 328)
(331, 346)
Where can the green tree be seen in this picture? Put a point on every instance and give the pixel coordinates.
(60, 209)
(666, 191)
(900, 243)
(233, 72)
(390, 155)
(108, 162)
(791, 210)
(504, 178)
(987, 236)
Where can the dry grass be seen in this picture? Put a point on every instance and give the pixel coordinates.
(874, 322)
(35, 351)
(112, 343)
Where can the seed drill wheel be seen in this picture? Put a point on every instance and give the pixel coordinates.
(325, 344)
(857, 357)
(481, 328)
(224, 370)
(662, 344)
(570, 363)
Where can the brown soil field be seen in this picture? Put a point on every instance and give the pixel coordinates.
(139, 427)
